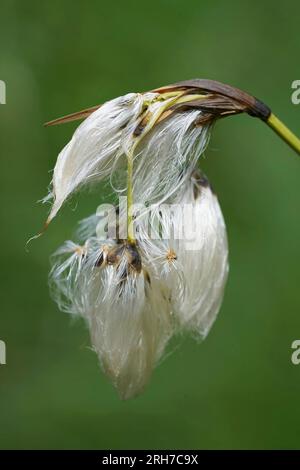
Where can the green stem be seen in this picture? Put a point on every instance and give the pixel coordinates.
(291, 139)
(130, 234)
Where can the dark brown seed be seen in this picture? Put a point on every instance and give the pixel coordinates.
(99, 260)
(129, 250)
(200, 181)
(147, 277)
(133, 256)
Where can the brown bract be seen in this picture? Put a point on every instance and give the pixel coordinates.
(221, 99)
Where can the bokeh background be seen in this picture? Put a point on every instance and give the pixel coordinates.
(239, 388)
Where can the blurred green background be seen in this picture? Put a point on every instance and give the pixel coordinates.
(239, 388)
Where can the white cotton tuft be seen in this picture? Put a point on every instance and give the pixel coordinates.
(185, 242)
(134, 296)
(130, 320)
(96, 147)
(130, 327)
(71, 273)
(204, 258)
(166, 157)
(126, 308)
(64, 276)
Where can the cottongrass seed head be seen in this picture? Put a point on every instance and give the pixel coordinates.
(162, 268)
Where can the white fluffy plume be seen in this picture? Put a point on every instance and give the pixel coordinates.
(127, 309)
(165, 159)
(204, 258)
(96, 147)
(186, 243)
(136, 293)
(135, 298)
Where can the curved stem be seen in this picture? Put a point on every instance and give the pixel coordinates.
(150, 122)
(130, 234)
(284, 132)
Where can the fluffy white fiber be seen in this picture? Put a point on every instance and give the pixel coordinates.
(135, 295)
(96, 147)
(165, 158)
